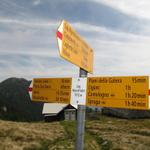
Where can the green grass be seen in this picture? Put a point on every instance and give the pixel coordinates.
(44, 145)
(91, 141)
(70, 128)
(105, 133)
(143, 133)
(104, 144)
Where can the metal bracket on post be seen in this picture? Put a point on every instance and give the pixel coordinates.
(80, 120)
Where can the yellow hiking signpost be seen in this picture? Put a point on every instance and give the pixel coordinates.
(131, 92)
(53, 90)
(119, 92)
(59, 90)
(73, 48)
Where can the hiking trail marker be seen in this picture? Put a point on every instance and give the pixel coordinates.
(73, 48)
(118, 92)
(56, 90)
(59, 90)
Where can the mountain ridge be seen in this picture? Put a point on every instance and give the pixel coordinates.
(15, 103)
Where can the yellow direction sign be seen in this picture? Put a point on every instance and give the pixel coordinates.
(73, 48)
(56, 90)
(118, 92)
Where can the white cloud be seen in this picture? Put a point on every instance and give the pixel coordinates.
(28, 38)
(30, 48)
(117, 53)
(36, 2)
(35, 66)
(27, 23)
(132, 7)
(120, 35)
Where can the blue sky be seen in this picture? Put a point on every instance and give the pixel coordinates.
(117, 30)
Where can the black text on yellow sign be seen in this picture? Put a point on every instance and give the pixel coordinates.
(73, 48)
(52, 90)
(118, 92)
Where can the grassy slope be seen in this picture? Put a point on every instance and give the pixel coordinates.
(104, 133)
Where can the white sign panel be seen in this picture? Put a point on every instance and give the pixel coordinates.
(78, 91)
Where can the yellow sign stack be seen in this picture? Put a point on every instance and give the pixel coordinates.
(118, 92)
(53, 90)
(73, 48)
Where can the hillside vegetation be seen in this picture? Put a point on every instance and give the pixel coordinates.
(15, 103)
(104, 133)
